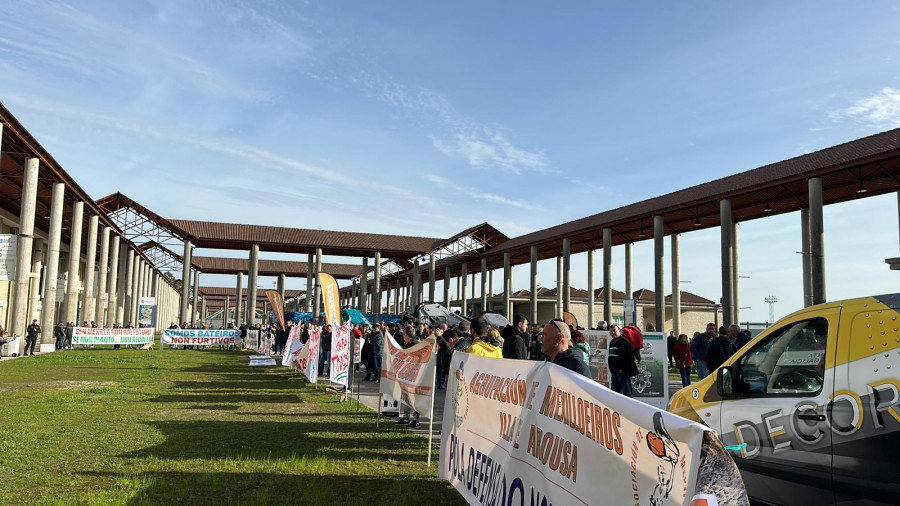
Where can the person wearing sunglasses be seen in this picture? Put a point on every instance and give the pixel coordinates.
(556, 344)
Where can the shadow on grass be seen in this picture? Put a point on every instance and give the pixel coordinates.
(337, 441)
(226, 398)
(244, 384)
(217, 407)
(272, 488)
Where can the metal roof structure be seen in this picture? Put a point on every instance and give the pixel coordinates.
(856, 169)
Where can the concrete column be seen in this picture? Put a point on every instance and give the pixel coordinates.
(559, 287)
(351, 297)
(196, 297)
(310, 282)
(736, 278)
(364, 285)
(129, 286)
(88, 303)
(225, 319)
(317, 298)
(74, 263)
(407, 293)
(239, 300)
(25, 245)
(447, 286)
(629, 287)
(102, 293)
(533, 286)
(607, 274)
(507, 286)
(465, 278)
(183, 315)
(34, 288)
(659, 250)
(727, 262)
(676, 284)
(51, 273)
(567, 274)
(135, 289)
(417, 282)
(376, 288)
(203, 312)
(491, 290)
(431, 277)
(590, 288)
(804, 252)
(252, 281)
(282, 279)
(816, 241)
(484, 286)
(113, 282)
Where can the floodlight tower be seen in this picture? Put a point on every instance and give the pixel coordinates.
(771, 300)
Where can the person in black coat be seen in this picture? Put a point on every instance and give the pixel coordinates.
(515, 341)
(720, 349)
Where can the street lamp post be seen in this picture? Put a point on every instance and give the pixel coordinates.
(771, 300)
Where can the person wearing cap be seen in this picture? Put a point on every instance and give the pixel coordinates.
(31, 335)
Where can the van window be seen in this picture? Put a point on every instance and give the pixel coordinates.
(791, 361)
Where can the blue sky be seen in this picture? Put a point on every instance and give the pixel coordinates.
(424, 118)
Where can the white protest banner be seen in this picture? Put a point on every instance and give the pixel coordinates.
(200, 337)
(292, 348)
(311, 366)
(87, 336)
(408, 375)
(340, 354)
(651, 385)
(520, 432)
(8, 245)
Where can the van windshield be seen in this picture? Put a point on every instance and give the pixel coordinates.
(790, 361)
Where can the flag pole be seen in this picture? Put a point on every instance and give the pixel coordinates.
(431, 417)
(378, 418)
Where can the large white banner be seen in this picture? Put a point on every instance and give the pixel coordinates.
(340, 354)
(310, 362)
(651, 385)
(8, 245)
(87, 336)
(292, 348)
(408, 375)
(200, 337)
(522, 432)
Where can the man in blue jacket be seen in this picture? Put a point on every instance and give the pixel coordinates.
(700, 347)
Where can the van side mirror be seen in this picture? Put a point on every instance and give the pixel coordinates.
(725, 382)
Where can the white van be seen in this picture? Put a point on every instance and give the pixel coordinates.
(812, 405)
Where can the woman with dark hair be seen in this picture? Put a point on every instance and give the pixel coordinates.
(681, 352)
(581, 343)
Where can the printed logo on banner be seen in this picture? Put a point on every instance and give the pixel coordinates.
(664, 448)
(461, 397)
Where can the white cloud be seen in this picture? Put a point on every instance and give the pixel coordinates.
(74, 40)
(485, 148)
(477, 194)
(880, 110)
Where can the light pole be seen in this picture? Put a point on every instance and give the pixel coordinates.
(771, 300)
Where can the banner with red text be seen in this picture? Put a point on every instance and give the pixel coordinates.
(340, 354)
(408, 375)
(309, 361)
(521, 432)
(200, 337)
(87, 336)
(292, 348)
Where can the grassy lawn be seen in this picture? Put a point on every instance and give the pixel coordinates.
(195, 427)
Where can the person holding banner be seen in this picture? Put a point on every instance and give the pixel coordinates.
(556, 344)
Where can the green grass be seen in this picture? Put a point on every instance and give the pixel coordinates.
(195, 427)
